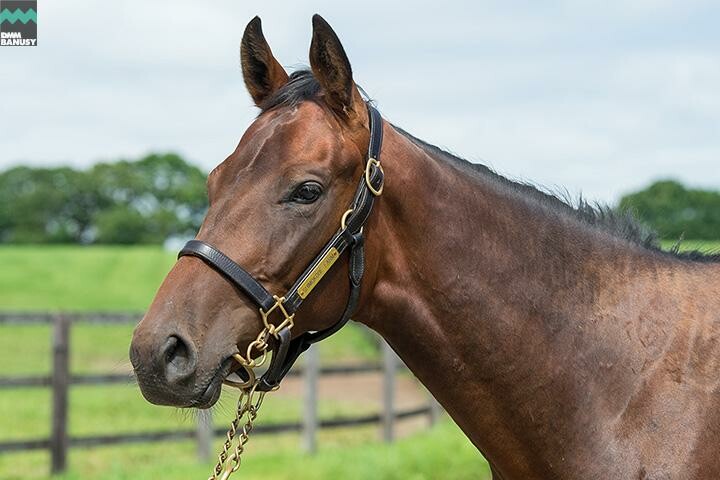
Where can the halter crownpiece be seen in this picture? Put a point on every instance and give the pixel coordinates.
(349, 236)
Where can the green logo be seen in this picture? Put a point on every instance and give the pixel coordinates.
(18, 16)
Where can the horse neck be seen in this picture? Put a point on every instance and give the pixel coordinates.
(482, 291)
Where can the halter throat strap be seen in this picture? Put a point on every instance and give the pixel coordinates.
(348, 237)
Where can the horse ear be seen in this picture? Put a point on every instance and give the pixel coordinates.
(331, 67)
(263, 74)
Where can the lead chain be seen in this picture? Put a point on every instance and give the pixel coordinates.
(249, 404)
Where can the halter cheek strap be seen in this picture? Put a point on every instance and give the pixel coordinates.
(348, 237)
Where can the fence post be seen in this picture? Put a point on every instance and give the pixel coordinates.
(310, 418)
(435, 410)
(389, 371)
(60, 381)
(204, 434)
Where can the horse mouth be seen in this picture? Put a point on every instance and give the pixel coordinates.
(211, 394)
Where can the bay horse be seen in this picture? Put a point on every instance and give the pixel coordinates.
(561, 339)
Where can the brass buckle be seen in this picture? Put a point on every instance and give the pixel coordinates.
(287, 318)
(372, 162)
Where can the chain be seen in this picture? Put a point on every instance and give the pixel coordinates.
(248, 406)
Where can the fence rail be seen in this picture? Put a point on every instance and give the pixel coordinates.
(189, 434)
(25, 318)
(60, 381)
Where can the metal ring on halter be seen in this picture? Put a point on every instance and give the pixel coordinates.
(251, 375)
(253, 363)
(343, 225)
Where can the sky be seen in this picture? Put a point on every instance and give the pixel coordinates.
(598, 98)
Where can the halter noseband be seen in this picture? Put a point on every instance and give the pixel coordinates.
(349, 236)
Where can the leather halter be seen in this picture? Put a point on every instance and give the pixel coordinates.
(349, 236)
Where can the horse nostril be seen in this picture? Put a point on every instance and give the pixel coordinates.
(178, 359)
(173, 347)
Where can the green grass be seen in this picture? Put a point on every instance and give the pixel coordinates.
(81, 278)
(351, 454)
(109, 409)
(689, 245)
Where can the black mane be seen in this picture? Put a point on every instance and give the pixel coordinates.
(303, 86)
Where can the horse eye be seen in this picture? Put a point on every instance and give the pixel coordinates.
(307, 192)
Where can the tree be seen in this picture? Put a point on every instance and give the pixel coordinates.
(143, 201)
(43, 205)
(675, 211)
(164, 191)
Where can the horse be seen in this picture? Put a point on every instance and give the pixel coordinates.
(559, 336)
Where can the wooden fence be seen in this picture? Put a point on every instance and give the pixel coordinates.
(61, 379)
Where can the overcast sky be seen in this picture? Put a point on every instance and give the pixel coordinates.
(599, 97)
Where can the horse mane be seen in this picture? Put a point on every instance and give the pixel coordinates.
(303, 86)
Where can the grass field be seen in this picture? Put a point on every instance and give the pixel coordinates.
(699, 245)
(121, 279)
(439, 453)
(81, 278)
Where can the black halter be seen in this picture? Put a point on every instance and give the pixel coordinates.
(349, 236)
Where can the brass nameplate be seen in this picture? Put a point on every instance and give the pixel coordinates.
(318, 272)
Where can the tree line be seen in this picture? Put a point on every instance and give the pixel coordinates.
(161, 196)
(675, 211)
(122, 202)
